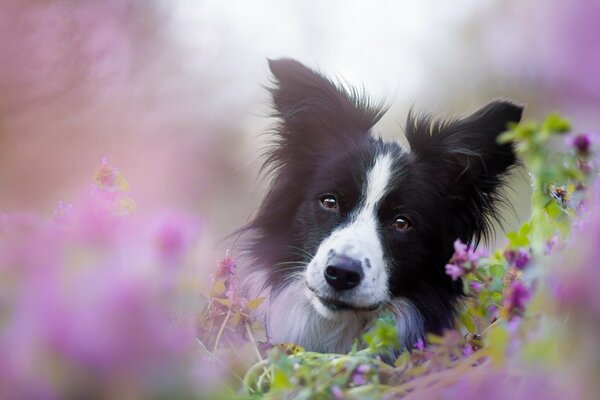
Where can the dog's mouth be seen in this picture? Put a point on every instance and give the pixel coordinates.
(337, 305)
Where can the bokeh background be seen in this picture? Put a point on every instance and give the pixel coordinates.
(172, 91)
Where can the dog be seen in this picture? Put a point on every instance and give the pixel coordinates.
(353, 225)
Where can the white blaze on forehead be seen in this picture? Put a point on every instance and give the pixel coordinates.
(377, 182)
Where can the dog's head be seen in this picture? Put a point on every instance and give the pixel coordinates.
(361, 221)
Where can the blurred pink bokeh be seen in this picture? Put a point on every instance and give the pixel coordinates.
(171, 91)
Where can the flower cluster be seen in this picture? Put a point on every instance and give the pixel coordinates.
(228, 314)
(463, 261)
(89, 305)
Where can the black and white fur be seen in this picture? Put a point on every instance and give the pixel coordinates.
(353, 225)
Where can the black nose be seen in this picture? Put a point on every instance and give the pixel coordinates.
(343, 273)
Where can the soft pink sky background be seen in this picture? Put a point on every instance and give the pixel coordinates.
(171, 91)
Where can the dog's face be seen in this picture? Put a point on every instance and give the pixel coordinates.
(361, 222)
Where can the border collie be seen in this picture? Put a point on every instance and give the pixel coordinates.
(353, 225)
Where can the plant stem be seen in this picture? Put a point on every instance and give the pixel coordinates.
(221, 329)
(251, 336)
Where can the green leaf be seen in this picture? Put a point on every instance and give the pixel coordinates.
(555, 123)
(402, 359)
(497, 271)
(383, 337)
(467, 320)
(553, 210)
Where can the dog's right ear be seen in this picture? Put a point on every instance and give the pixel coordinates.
(313, 110)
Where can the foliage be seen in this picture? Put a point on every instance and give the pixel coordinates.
(101, 302)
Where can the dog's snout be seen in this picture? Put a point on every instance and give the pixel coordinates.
(343, 273)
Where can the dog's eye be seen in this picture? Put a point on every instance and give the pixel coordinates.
(401, 223)
(329, 202)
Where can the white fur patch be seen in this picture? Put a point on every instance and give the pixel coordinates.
(289, 317)
(358, 240)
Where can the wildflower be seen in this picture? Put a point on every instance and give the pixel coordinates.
(516, 297)
(337, 393)
(467, 350)
(105, 174)
(493, 312)
(454, 271)
(518, 259)
(226, 266)
(109, 178)
(581, 142)
(475, 286)
(463, 253)
(359, 375)
(420, 344)
(464, 260)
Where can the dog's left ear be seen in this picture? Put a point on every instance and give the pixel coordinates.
(466, 149)
(465, 156)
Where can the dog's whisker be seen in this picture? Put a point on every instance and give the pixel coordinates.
(291, 263)
(302, 251)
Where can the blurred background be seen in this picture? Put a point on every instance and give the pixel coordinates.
(172, 91)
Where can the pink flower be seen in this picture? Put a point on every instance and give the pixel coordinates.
(475, 286)
(462, 253)
(517, 296)
(464, 260)
(467, 350)
(359, 375)
(454, 271)
(337, 393)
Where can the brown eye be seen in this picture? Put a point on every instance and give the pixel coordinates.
(329, 202)
(401, 223)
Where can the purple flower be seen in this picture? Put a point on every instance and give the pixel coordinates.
(226, 266)
(463, 260)
(475, 286)
(359, 375)
(358, 379)
(493, 311)
(519, 258)
(454, 271)
(363, 368)
(462, 253)
(467, 350)
(337, 393)
(581, 142)
(518, 294)
(420, 344)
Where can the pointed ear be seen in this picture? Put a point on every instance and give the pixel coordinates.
(466, 149)
(465, 157)
(312, 107)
